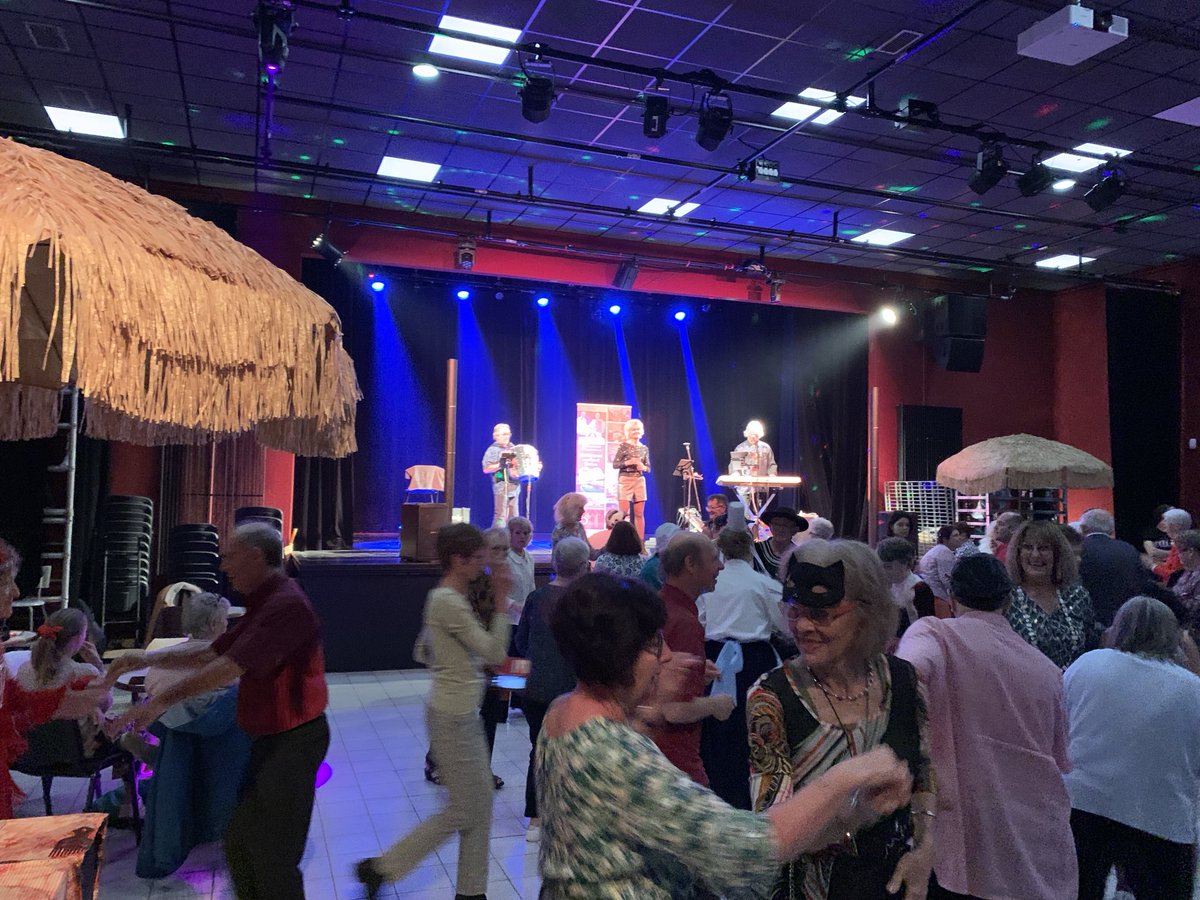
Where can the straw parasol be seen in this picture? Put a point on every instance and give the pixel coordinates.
(1022, 462)
(172, 330)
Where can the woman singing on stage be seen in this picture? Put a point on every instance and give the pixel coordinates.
(633, 461)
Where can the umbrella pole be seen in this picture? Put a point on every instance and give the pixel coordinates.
(451, 427)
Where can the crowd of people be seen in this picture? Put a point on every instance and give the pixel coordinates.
(808, 718)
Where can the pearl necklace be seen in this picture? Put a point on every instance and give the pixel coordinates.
(830, 695)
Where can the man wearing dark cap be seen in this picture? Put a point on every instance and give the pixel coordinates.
(785, 523)
(998, 742)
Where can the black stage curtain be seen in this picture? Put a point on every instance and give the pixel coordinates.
(1143, 404)
(803, 372)
(323, 504)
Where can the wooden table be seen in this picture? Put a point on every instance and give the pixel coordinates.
(52, 856)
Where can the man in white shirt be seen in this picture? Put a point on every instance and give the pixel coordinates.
(743, 609)
(520, 530)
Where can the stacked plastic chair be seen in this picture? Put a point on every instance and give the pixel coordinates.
(193, 555)
(126, 527)
(268, 515)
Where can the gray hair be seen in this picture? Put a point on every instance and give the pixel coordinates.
(684, 545)
(1147, 627)
(520, 520)
(1188, 540)
(1097, 521)
(865, 583)
(497, 533)
(820, 528)
(202, 614)
(1006, 523)
(570, 557)
(735, 543)
(264, 538)
(1180, 517)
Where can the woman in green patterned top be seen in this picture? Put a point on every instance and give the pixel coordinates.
(618, 820)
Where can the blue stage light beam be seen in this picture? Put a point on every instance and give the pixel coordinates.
(543, 301)
(703, 453)
(463, 294)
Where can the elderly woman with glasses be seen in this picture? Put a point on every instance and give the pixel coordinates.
(618, 820)
(839, 699)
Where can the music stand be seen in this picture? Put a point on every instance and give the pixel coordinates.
(686, 469)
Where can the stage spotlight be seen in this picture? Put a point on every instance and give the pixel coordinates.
(378, 285)
(716, 118)
(888, 316)
(425, 70)
(463, 294)
(537, 93)
(328, 252)
(274, 22)
(615, 309)
(680, 315)
(776, 287)
(626, 275)
(990, 168)
(1106, 191)
(1036, 180)
(543, 302)
(658, 110)
(464, 254)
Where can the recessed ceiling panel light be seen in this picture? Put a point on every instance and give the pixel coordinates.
(464, 49)
(1187, 113)
(882, 237)
(802, 112)
(1064, 261)
(661, 205)
(79, 122)
(1085, 158)
(408, 169)
(1063, 184)
(425, 70)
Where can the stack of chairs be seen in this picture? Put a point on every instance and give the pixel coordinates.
(266, 514)
(126, 529)
(193, 556)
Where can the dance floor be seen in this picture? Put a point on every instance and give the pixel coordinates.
(376, 793)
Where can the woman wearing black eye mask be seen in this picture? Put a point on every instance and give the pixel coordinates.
(840, 698)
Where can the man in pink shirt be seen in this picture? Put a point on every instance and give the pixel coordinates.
(998, 739)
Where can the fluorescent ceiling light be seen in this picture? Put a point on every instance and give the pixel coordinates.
(1075, 162)
(1065, 261)
(464, 49)
(408, 169)
(80, 122)
(661, 205)
(1063, 184)
(802, 112)
(882, 237)
(1186, 113)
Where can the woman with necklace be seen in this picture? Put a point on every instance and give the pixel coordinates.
(839, 699)
(618, 820)
(1050, 609)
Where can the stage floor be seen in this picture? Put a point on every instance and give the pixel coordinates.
(539, 548)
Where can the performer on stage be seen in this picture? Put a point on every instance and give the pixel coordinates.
(633, 461)
(497, 462)
(753, 456)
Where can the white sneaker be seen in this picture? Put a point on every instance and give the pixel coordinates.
(533, 834)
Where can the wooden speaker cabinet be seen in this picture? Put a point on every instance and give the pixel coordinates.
(419, 524)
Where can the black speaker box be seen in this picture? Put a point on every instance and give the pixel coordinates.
(419, 524)
(958, 315)
(958, 354)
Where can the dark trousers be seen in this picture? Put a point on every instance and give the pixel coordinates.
(535, 713)
(493, 711)
(264, 840)
(1154, 868)
(725, 746)
(937, 892)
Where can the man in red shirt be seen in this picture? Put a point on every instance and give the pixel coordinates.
(276, 653)
(690, 563)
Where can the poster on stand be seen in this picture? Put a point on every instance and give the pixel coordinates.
(599, 428)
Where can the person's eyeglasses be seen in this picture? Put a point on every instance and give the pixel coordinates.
(818, 615)
(656, 644)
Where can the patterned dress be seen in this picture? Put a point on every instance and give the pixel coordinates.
(1063, 635)
(619, 822)
(620, 565)
(567, 529)
(779, 765)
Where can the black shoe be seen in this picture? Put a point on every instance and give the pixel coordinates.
(366, 873)
(497, 783)
(470, 897)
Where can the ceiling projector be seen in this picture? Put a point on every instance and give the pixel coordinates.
(1072, 34)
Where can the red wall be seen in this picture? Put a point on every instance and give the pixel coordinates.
(134, 470)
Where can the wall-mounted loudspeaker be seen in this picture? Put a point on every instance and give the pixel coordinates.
(956, 328)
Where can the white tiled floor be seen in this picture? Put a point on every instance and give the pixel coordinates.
(376, 793)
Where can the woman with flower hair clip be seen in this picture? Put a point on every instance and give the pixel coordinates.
(21, 709)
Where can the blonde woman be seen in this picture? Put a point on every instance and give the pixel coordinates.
(568, 513)
(633, 462)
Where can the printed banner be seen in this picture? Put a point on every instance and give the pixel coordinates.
(599, 428)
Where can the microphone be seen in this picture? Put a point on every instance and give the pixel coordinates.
(687, 444)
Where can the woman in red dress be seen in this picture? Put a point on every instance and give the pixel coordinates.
(21, 710)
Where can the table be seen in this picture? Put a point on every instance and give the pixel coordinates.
(53, 856)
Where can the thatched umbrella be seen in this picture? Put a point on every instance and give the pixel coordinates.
(172, 330)
(1022, 462)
